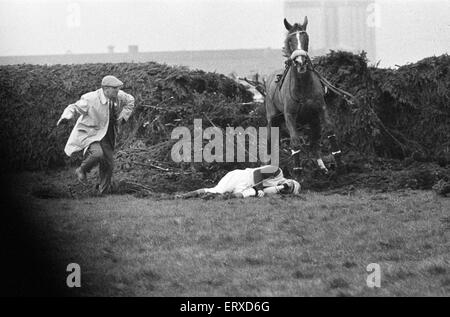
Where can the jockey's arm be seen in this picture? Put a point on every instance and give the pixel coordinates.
(275, 189)
(249, 192)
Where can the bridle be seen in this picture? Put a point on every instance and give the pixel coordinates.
(291, 61)
(309, 66)
(299, 51)
(297, 34)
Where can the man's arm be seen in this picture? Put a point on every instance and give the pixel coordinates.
(80, 107)
(128, 108)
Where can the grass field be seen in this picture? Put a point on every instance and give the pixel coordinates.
(314, 245)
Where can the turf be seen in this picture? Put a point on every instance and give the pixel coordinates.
(318, 244)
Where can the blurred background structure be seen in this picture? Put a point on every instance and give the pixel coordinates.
(347, 25)
(227, 36)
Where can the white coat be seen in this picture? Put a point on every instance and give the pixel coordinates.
(93, 123)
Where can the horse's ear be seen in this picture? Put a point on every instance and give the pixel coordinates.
(305, 23)
(287, 25)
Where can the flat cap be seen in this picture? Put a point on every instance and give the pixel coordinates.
(111, 81)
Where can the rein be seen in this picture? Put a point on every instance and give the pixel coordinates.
(340, 92)
(348, 97)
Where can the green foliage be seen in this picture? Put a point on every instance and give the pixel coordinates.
(33, 98)
(400, 112)
(414, 101)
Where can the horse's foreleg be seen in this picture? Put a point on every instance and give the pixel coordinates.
(335, 149)
(295, 142)
(291, 125)
(316, 132)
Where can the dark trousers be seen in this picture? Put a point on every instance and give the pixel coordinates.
(100, 153)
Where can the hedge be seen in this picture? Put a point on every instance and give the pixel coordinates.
(400, 112)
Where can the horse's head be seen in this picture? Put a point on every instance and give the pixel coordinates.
(296, 44)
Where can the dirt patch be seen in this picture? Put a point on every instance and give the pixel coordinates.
(379, 175)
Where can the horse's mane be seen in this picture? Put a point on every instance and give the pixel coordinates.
(286, 51)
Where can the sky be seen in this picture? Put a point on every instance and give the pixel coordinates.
(411, 30)
(406, 30)
(55, 27)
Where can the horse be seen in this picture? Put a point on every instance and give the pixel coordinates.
(299, 96)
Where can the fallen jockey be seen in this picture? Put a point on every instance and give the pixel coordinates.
(251, 182)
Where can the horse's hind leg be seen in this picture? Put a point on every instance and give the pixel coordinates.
(335, 151)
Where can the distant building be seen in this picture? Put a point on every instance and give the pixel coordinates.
(243, 62)
(392, 32)
(133, 49)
